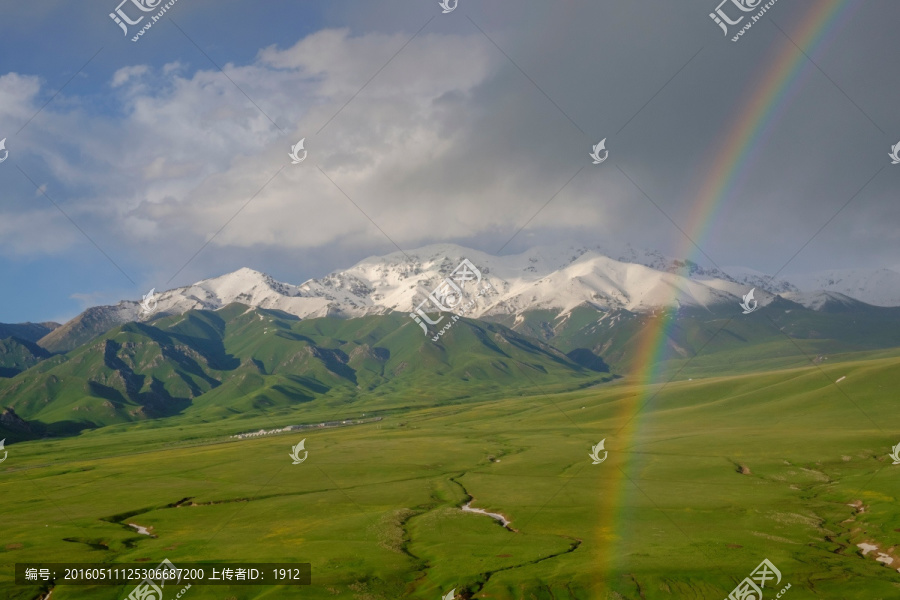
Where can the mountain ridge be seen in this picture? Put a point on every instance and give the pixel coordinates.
(30, 332)
(241, 360)
(544, 278)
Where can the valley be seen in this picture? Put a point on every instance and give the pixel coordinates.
(463, 463)
(376, 507)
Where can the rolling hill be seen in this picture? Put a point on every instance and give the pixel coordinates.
(17, 354)
(241, 360)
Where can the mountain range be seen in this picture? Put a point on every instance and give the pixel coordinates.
(241, 360)
(550, 318)
(555, 278)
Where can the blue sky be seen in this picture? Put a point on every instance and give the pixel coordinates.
(481, 117)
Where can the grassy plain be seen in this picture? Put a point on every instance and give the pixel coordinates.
(375, 508)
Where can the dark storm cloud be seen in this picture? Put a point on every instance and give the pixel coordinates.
(482, 117)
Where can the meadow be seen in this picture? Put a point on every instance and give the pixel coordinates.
(704, 479)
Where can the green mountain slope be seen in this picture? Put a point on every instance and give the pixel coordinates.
(240, 360)
(17, 354)
(15, 429)
(88, 325)
(716, 340)
(31, 332)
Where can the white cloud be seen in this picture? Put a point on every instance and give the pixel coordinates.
(17, 96)
(431, 149)
(126, 74)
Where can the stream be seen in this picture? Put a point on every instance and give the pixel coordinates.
(503, 520)
(140, 529)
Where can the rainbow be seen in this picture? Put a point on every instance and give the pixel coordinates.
(771, 95)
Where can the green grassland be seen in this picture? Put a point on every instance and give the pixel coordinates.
(711, 477)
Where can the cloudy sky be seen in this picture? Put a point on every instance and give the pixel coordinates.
(160, 162)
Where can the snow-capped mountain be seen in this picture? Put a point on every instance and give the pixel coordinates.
(822, 300)
(554, 278)
(776, 285)
(879, 287)
(543, 278)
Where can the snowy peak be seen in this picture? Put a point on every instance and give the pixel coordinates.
(244, 285)
(542, 278)
(824, 301)
(555, 278)
(756, 279)
(878, 287)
